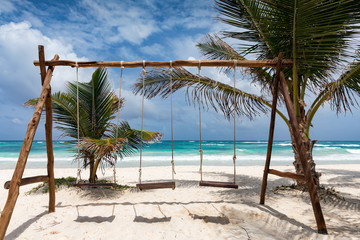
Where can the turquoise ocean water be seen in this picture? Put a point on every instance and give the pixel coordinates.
(187, 153)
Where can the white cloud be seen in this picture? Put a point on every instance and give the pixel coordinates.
(127, 54)
(184, 47)
(20, 79)
(190, 15)
(123, 21)
(34, 20)
(138, 31)
(6, 6)
(16, 121)
(154, 49)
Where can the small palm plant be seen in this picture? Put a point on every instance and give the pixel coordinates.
(101, 141)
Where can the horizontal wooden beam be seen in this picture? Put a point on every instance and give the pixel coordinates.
(295, 176)
(29, 180)
(176, 63)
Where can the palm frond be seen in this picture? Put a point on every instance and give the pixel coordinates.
(214, 48)
(97, 101)
(247, 15)
(346, 89)
(104, 149)
(312, 33)
(31, 102)
(341, 93)
(99, 145)
(149, 136)
(65, 114)
(125, 131)
(218, 95)
(97, 105)
(133, 137)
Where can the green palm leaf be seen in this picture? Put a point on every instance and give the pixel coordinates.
(316, 34)
(104, 149)
(98, 104)
(346, 88)
(341, 93)
(214, 48)
(133, 137)
(312, 33)
(218, 95)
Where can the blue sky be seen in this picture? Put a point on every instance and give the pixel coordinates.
(128, 31)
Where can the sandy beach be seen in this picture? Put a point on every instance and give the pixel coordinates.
(189, 211)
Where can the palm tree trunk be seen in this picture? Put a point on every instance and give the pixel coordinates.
(91, 163)
(93, 172)
(308, 145)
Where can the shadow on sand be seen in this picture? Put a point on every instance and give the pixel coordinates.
(20, 229)
(96, 219)
(151, 220)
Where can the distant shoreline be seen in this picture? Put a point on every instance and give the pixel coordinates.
(196, 140)
(186, 153)
(70, 165)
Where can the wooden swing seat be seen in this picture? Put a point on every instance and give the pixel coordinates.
(155, 185)
(95, 185)
(218, 184)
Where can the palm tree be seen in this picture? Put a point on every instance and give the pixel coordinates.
(101, 140)
(317, 35)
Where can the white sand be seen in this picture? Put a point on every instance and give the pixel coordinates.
(188, 212)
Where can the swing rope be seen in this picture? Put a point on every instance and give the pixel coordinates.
(142, 118)
(212, 183)
(172, 127)
(78, 178)
(118, 116)
(200, 150)
(234, 157)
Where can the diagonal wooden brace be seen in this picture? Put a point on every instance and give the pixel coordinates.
(23, 156)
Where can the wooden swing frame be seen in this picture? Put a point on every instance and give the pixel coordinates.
(45, 98)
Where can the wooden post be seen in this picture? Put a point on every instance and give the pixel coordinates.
(48, 133)
(271, 130)
(299, 145)
(23, 156)
(42, 63)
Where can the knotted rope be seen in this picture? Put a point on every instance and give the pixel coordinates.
(200, 150)
(172, 127)
(234, 157)
(118, 118)
(142, 118)
(78, 178)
